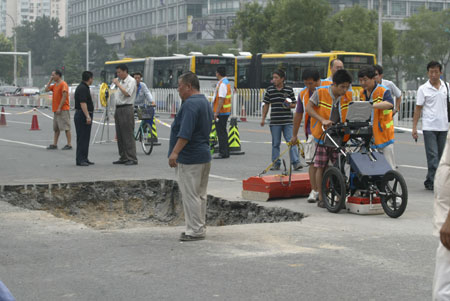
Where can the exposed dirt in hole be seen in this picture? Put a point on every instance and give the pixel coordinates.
(125, 204)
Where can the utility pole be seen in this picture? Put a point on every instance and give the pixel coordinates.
(167, 28)
(380, 32)
(87, 35)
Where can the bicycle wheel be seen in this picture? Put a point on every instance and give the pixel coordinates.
(393, 193)
(147, 141)
(333, 189)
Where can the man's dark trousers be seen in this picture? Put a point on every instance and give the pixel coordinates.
(83, 135)
(221, 128)
(434, 147)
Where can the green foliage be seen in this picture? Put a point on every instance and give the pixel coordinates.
(6, 61)
(428, 38)
(38, 36)
(72, 66)
(252, 26)
(353, 29)
(149, 46)
(299, 25)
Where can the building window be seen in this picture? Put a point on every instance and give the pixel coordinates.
(398, 8)
(416, 6)
(436, 6)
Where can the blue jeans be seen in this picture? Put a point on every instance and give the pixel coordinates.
(434, 147)
(276, 131)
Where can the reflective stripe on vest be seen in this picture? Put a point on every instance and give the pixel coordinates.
(226, 107)
(324, 110)
(382, 123)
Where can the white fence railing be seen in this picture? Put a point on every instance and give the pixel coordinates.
(246, 103)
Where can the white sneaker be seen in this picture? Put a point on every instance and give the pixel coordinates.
(313, 196)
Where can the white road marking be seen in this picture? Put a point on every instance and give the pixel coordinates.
(412, 166)
(21, 122)
(223, 178)
(24, 143)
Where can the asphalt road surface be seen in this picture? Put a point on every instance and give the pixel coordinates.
(324, 257)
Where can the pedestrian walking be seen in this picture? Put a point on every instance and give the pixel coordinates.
(441, 222)
(222, 111)
(60, 108)
(124, 116)
(190, 155)
(431, 103)
(84, 114)
(281, 99)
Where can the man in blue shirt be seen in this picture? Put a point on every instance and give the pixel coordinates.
(189, 154)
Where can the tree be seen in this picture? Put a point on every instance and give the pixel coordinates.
(252, 26)
(353, 29)
(299, 25)
(72, 66)
(6, 61)
(428, 38)
(219, 48)
(392, 58)
(149, 46)
(38, 36)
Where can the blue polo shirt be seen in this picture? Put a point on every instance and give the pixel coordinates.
(193, 122)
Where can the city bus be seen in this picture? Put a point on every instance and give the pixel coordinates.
(163, 72)
(255, 71)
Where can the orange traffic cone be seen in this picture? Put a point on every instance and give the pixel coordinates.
(34, 122)
(173, 113)
(3, 117)
(243, 114)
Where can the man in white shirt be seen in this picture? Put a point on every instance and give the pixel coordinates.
(395, 91)
(432, 104)
(124, 116)
(441, 221)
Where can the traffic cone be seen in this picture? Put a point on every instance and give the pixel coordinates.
(173, 113)
(3, 117)
(243, 114)
(234, 141)
(34, 122)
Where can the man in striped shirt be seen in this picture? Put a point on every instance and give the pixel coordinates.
(281, 99)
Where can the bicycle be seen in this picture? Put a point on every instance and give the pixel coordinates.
(144, 133)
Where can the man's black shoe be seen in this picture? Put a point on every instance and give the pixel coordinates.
(220, 156)
(83, 164)
(131, 162)
(119, 162)
(90, 162)
(429, 187)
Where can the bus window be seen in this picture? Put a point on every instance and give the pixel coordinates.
(268, 67)
(167, 71)
(296, 67)
(352, 63)
(243, 76)
(207, 66)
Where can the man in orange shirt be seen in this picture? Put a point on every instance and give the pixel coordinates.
(60, 108)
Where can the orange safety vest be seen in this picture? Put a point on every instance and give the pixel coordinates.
(326, 82)
(382, 122)
(226, 108)
(304, 97)
(324, 110)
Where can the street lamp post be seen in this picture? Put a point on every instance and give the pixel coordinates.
(15, 49)
(87, 35)
(380, 32)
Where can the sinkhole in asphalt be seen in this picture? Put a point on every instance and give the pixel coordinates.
(125, 204)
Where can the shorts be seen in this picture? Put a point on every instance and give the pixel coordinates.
(325, 154)
(61, 122)
(309, 148)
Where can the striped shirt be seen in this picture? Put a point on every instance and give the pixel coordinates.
(279, 114)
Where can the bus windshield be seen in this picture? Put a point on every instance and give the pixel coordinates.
(207, 66)
(352, 63)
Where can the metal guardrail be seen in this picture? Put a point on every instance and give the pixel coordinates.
(245, 102)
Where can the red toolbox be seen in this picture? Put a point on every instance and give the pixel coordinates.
(276, 186)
